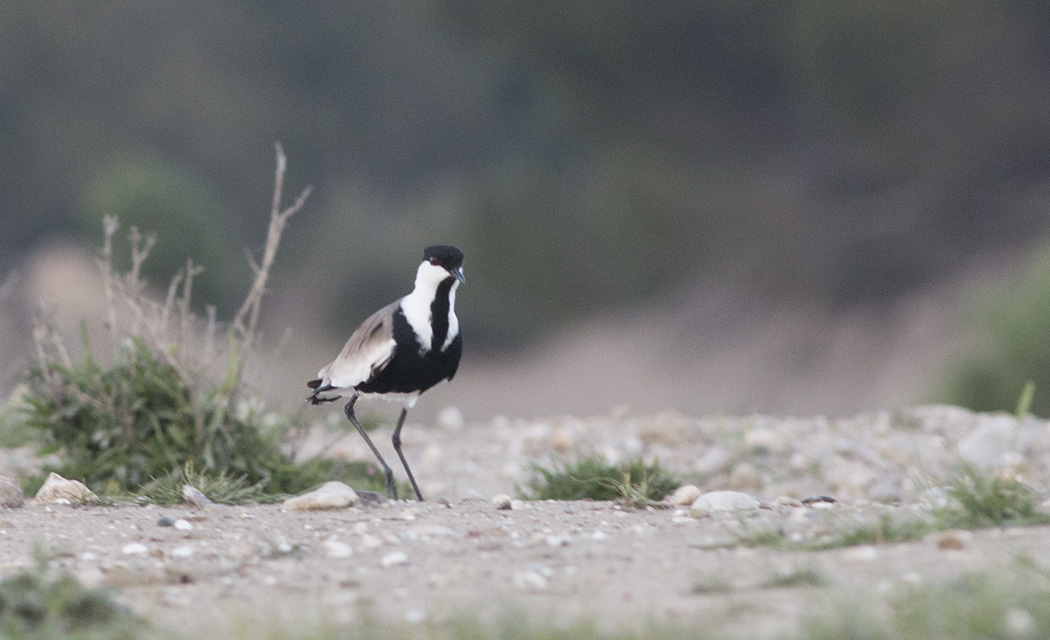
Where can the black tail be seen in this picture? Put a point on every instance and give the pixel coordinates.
(313, 398)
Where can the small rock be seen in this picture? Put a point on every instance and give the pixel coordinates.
(394, 558)
(517, 505)
(683, 496)
(557, 541)
(986, 445)
(714, 460)
(724, 501)
(165, 521)
(183, 525)
(58, 490)
(11, 495)
(181, 552)
(764, 439)
(135, 549)
(1021, 623)
(886, 489)
(562, 440)
(819, 502)
(415, 616)
(502, 501)
(337, 549)
(195, 496)
(451, 418)
(530, 581)
(330, 495)
(950, 541)
(862, 553)
(745, 476)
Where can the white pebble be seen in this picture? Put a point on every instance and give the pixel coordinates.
(684, 495)
(135, 549)
(502, 501)
(725, 501)
(330, 495)
(529, 581)
(183, 525)
(337, 549)
(394, 558)
(557, 541)
(1020, 622)
(863, 553)
(415, 616)
(181, 552)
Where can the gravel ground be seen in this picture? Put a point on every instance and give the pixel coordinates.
(213, 569)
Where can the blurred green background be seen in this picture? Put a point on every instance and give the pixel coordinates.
(590, 157)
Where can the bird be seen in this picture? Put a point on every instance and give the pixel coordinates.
(401, 350)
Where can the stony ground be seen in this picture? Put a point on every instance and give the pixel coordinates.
(205, 571)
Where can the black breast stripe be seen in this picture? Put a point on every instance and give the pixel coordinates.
(439, 314)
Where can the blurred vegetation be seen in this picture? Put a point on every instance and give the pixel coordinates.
(1009, 364)
(584, 154)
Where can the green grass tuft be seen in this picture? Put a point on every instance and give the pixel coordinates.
(990, 500)
(591, 478)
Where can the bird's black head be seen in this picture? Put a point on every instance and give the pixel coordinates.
(444, 255)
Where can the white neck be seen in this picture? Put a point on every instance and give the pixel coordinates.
(416, 305)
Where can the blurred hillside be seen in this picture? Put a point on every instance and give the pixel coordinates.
(838, 156)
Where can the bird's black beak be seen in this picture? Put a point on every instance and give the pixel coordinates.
(457, 273)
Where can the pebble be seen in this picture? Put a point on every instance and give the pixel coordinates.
(683, 496)
(451, 418)
(1021, 623)
(764, 439)
(394, 558)
(183, 525)
(987, 445)
(745, 476)
(181, 552)
(165, 521)
(502, 501)
(562, 440)
(11, 495)
(337, 549)
(530, 581)
(58, 490)
(862, 553)
(949, 541)
(195, 496)
(135, 549)
(714, 460)
(716, 501)
(330, 495)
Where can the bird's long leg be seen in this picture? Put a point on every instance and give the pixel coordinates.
(397, 447)
(391, 486)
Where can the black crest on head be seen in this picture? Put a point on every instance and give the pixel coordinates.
(444, 255)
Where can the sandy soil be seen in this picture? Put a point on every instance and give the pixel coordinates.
(219, 568)
(412, 562)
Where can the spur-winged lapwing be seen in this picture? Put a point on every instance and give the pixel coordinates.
(402, 350)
